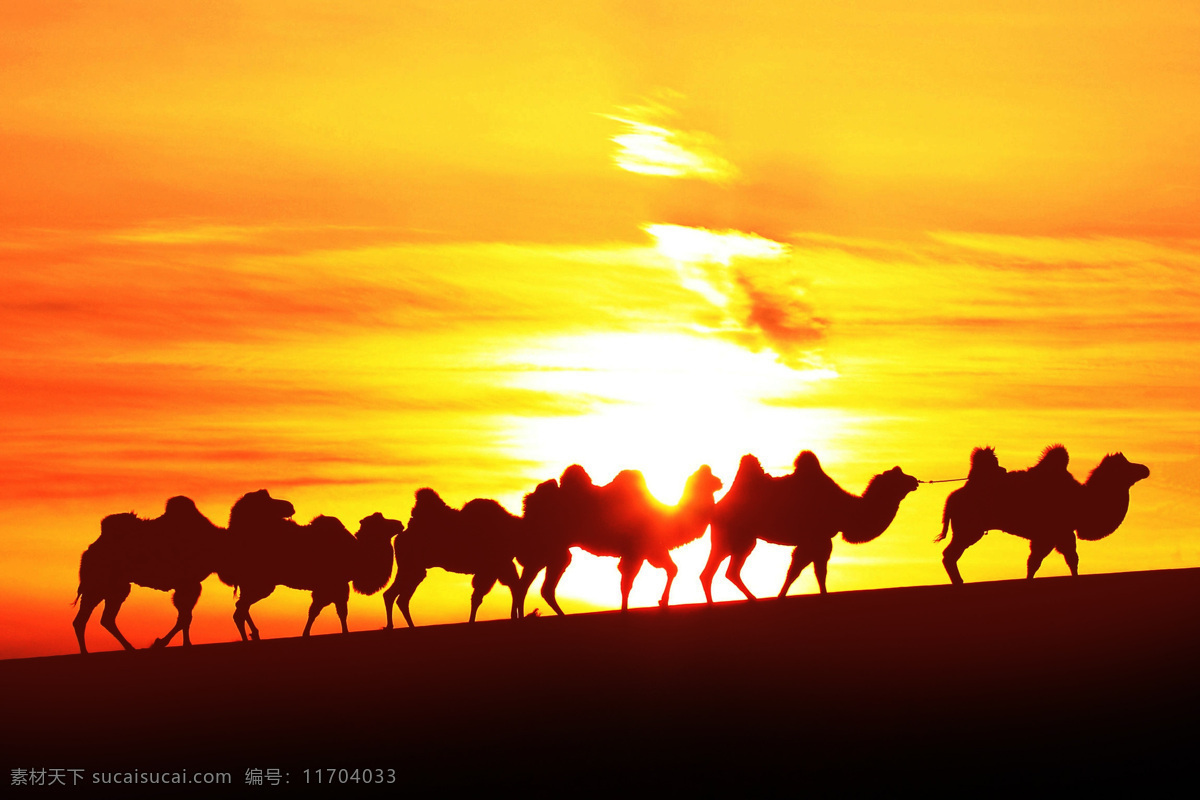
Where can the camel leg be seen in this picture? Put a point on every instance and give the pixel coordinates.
(401, 592)
(801, 558)
(241, 610)
(629, 568)
(1038, 550)
(341, 604)
(821, 564)
(314, 609)
(554, 572)
(184, 600)
(664, 561)
(320, 599)
(508, 577)
(480, 585)
(108, 619)
(520, 589)
(959, 542)
(734, 571)
(1069, 552)
(389, 597)
(87, 604)
(716, 555)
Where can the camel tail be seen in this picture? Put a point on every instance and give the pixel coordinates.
(945, 521)
(78, 594)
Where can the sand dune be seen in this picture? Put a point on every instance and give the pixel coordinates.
(1084, 681)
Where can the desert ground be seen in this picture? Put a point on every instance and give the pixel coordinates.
(1070, 682)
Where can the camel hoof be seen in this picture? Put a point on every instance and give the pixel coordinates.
(158, 643)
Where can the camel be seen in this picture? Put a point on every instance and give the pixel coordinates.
(1044, 504)
(620, 519)
(267, 549)
(174, 552)
(805, 510)
(479, 540)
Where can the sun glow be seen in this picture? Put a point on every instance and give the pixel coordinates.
(700, 245)
(665, 404)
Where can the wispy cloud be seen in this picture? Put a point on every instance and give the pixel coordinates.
(650, 146)
(1007, 322)
(753, 282)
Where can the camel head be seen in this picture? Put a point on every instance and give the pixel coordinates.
(259, 506)
(377, 526)
(373, 559)
(880, 502)
(1117, 470)
(894, 483)
(1106, 496)
(703, 484)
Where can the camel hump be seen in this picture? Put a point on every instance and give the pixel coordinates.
(118, 524)
(428, 501)
(182, 506)
(807, 464)
(545, 492)
(984, 462)
(1054, 459)
(748, 483)
(809, 473)
(327, 525)
(629, 480)
(628, 490)
(483, 506)
(749, 467)
(575, 478)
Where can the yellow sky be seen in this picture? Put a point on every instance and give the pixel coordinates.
(343, 254)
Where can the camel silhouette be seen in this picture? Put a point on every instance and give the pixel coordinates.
(805, 509)
(1044, 504)
(174, 552)
(268, 549)
(478, 540)
(620, 519)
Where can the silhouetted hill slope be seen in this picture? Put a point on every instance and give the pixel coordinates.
(1083, 680)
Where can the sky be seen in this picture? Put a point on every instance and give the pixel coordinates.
(344, 253)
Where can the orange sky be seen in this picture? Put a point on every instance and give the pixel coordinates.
(343, 254)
